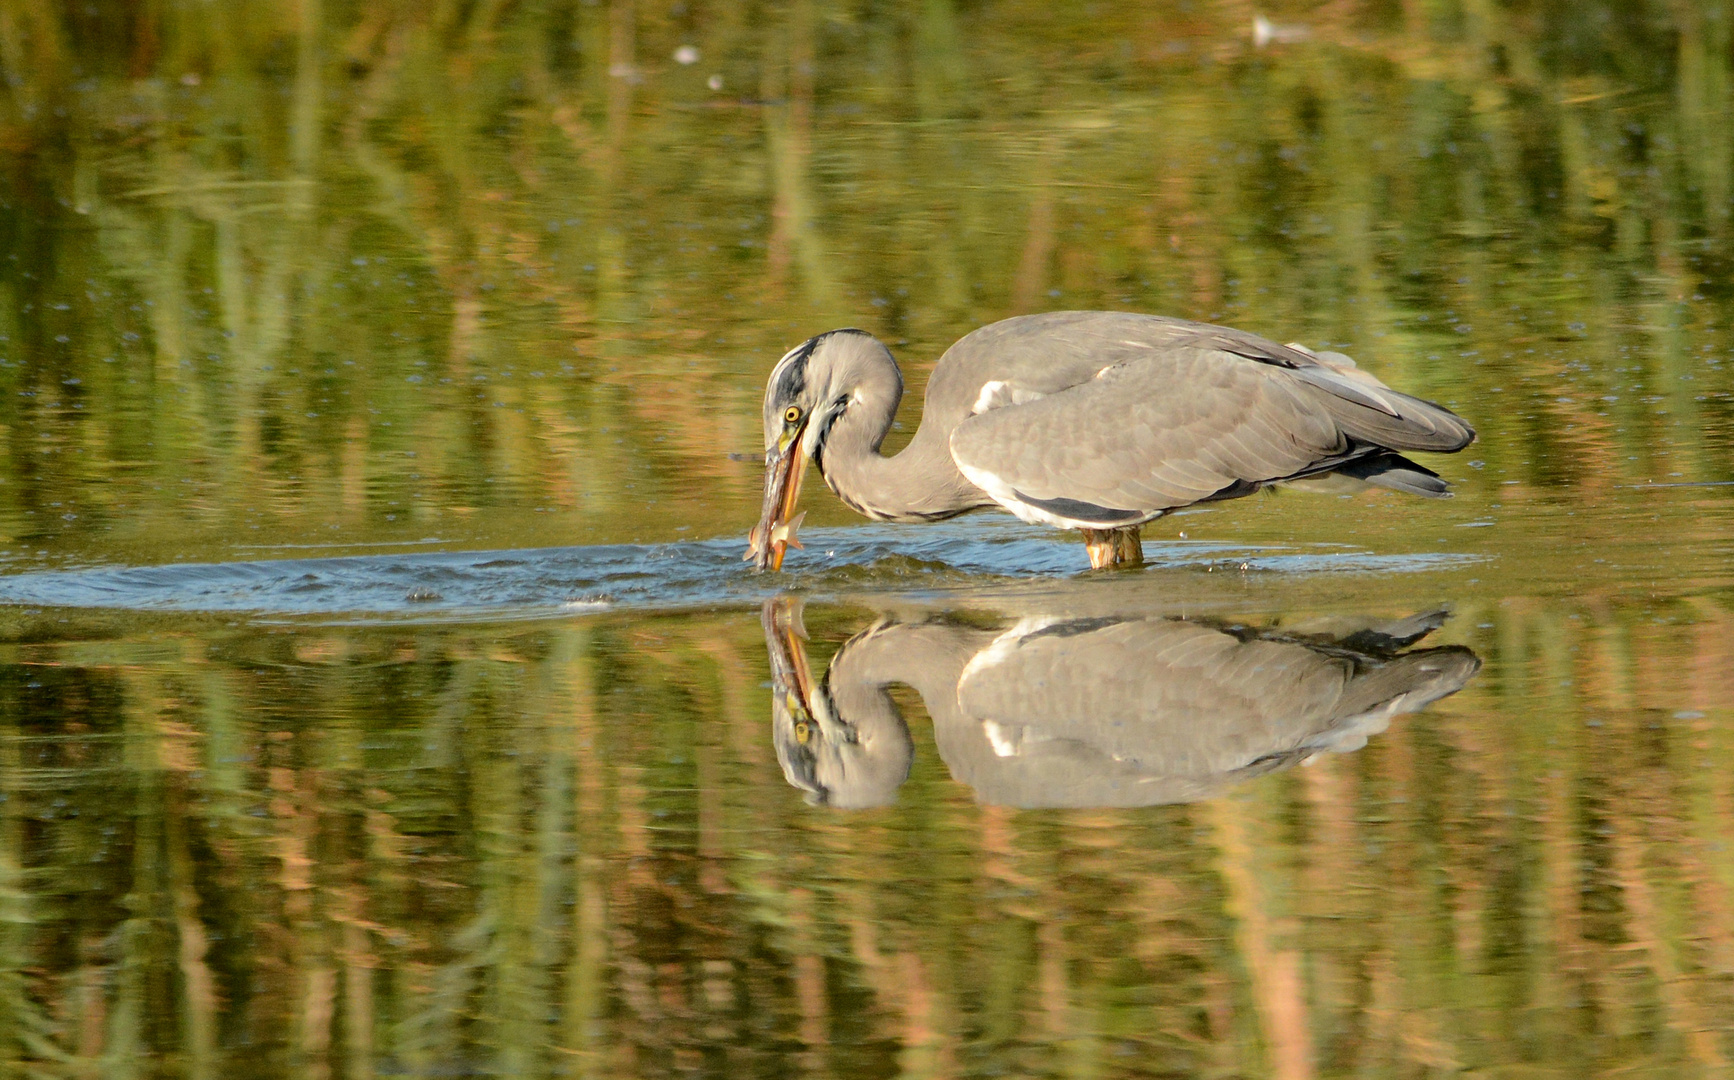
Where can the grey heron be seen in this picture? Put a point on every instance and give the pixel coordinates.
(1091, 420)
(1081, 712)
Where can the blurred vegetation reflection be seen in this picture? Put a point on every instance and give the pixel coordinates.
(511, 274)
(568, 848)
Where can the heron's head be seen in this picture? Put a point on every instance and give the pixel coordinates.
(837, 762)
(810, 389)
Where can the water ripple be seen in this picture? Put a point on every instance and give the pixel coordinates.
(531, 583)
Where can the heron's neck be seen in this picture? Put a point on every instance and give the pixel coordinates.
(921, 483)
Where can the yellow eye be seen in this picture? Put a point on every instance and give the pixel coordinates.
(803, 732)
(791, 414)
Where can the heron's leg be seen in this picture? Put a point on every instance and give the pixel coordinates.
(1114, 547)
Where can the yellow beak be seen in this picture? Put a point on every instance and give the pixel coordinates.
(785, 468)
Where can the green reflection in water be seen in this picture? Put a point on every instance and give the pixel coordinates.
(511, 275)
(569, 847)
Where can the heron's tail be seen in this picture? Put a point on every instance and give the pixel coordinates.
(1371, 412)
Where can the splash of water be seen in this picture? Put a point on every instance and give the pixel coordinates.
(539, 582)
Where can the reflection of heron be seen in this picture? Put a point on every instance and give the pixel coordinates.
(1087, 420)
(1092, 712)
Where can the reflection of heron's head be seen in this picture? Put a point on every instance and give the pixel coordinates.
(848, 763)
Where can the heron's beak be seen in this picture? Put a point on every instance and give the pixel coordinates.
(785, 466)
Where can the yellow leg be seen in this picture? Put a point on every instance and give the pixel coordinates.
(1114, 547)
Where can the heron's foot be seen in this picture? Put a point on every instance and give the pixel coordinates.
(1114, 547)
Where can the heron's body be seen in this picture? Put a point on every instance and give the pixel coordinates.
(1099, 421)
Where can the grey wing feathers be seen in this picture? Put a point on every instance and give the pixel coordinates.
(1058, 349)
(1384, 417)
(1163, 433)
(1217, 416)
(1366, 408)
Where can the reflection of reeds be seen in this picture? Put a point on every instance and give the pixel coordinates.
(1273, 968)
(565, 850)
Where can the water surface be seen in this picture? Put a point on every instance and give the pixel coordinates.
(382, 691)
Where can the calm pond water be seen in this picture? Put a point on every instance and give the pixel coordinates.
(382, 692)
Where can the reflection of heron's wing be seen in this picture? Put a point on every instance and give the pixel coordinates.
(1150, 711)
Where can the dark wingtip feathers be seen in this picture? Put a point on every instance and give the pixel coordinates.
(1398, 473)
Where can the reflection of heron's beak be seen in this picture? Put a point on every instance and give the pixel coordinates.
(785, 465)
(791, 680)
(795, 728)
